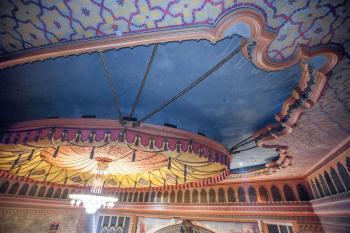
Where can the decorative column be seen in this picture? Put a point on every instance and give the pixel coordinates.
(133, 226)
(261, 227)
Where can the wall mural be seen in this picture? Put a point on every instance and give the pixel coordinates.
(152, 225)
(42, 220)
(228, 227)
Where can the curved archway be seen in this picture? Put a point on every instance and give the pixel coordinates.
(14, 188)
(179, 197)
(49, 192)
(303, 194)
(172, 196)
(337, 181)
(204, 197)
(4, 186)
(57, 193)
(344, 175)
(324, 186)
(136, 197)
(330, 183)
(241, 195)
(319, 188)
(187, 196)
(221, 195)
(130, 196)
(24, 189)
(314, 189)
(264, 195)
(231, 195)
(153, 197)
(165, 197)
(65, 194)
(120, 197)
(159, 197)
(212, 196)
(33, 190)
(252, 194)
(288, 193)
(146, 199)
(41, 191)
(275, 193)
(141, 197)
(125, 196)
(195, 196)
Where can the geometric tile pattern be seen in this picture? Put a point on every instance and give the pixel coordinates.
(33, 24)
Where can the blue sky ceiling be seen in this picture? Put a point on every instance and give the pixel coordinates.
(229, 106)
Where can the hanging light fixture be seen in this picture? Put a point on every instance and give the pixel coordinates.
(92, 202)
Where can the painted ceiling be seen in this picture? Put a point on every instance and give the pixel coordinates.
(229, 106)
(321, 128)
(138, 157)
(27, 25)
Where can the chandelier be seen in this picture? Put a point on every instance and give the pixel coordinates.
(92, 202)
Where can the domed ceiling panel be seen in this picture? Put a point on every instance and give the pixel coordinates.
(132, 157)
(237, 96)
(229, 106)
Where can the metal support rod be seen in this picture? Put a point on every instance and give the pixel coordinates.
(241, 144)
(109, 81)
(196, 82)
(239, 151)
(150, 62)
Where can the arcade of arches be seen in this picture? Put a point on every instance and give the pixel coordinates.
(178, 116)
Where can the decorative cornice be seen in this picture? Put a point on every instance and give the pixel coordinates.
(244, 212)
(219, 212)
(251, 181)
(310, 88)
(330, 199)
(40, 129)
(334, 153)
(252, 18)
(277, 208)
(25, 206)
(37, 211)
(311, 85)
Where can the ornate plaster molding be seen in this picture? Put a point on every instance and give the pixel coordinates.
(335, 205)
(252, 18)
(311, 85)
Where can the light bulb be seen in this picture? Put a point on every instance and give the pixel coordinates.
(72, 202)
(110, 204)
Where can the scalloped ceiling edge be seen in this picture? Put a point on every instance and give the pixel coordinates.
(250, 17)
